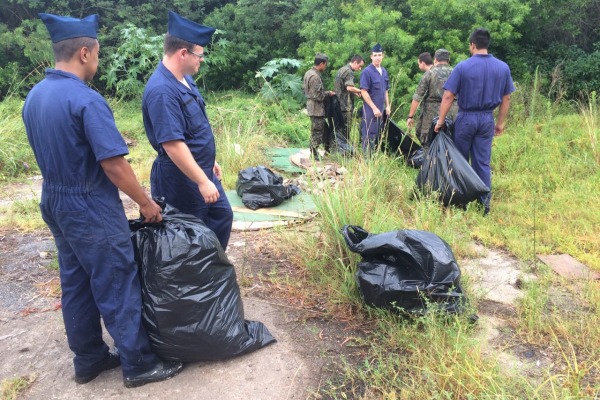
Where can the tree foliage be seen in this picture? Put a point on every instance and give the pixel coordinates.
(554, 35)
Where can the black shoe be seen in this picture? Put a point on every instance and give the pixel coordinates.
(112, 361)
(315, 154)
(161, 372)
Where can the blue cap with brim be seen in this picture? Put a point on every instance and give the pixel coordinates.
(377, 49)
(189, 31)
(62, 28)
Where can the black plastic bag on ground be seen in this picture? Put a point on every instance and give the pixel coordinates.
(260, 187)
(446, 172)
(192, 308)
(415, 159)
(407, 271)
(397, 141)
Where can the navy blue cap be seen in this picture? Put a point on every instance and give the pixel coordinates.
(377, 49)
(62, 28)
(189, 31)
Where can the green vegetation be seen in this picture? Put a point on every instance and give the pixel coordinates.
(546, 175)
(10, 389)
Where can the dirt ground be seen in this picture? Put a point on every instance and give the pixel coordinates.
(308, 348)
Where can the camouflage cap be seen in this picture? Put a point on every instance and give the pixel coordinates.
(442, 55)
(321, 56)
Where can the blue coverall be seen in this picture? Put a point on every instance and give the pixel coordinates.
(376, 85)
(479, 82)
(173, 111)
(71, 129)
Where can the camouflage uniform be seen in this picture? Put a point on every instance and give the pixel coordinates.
(345, 77)
(315, 95)
(429, 93)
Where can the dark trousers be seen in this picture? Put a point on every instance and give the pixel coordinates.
(473, 136)
(99, 278)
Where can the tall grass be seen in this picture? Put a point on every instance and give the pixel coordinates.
(545, 179)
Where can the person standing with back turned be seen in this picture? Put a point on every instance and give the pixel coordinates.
(79, 150)
(185, 171)
(481, 83)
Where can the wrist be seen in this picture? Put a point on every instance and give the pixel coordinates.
(410, 117)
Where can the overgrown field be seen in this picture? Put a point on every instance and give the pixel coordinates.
(545, 183)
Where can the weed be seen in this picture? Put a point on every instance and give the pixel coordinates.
(10, 389)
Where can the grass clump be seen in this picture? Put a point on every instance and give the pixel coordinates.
(11, 389)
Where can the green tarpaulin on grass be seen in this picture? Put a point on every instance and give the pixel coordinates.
(297, 209)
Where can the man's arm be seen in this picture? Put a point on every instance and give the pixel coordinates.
(447, 101)
(118, 170)
(353, 89)
(502, 112)
(388, 107)
(411, 113)
(180, 154)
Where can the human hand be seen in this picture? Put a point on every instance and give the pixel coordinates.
(499, 129)
(410, 122)
(438, 125)
(209, 192)
(151, 212)
(217, 170)
(388, 111)
(377, 112)
(331, 93)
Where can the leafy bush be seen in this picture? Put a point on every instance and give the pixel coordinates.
(134, 61)
(276, 80)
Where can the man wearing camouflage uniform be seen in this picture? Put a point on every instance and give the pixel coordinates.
(429, 94)
(315, 107)
(345, 89)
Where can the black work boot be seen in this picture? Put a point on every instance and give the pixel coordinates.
(160, 372)
(315, 154)
(112, 361)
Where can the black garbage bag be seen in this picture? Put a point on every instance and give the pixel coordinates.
(446, 172)
(335, 138)
(260, 187)
(397, 141)
(415, 159)
(407, 271)
(192, 309)
(448, 129)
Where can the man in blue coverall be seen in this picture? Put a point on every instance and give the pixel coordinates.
(481, 83)
(374, 85)
(185, 171)
(79, 150)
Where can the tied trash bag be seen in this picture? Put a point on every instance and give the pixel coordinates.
(192, 309)
(446, 172)
(260, 187)
(406, 270)
(448, 128)
(397, 141)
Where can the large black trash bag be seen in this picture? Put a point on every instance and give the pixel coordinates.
(446, 172)
(192, 308)
(448, 129)
(397, 141)
(415, 159)
(260, 187)
(335, 138)
(407, 271)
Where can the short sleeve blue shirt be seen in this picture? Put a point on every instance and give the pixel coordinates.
(172, 111)
(71, 128)
(375, 84)
(480, 82)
